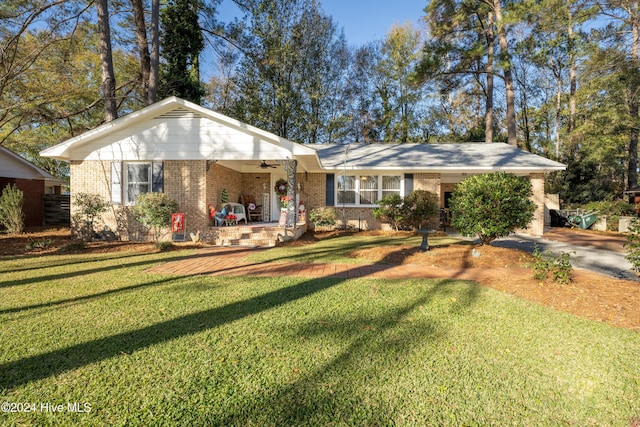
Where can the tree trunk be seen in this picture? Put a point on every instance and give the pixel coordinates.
(558, 110)
(143, 46)
(155, 52)
(572, 75)
(488, 118)
(632, 178)
(106, 58)
(512, 138)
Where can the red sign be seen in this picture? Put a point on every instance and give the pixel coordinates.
(177, 223)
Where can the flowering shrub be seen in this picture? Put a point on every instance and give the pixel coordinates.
(231, 217)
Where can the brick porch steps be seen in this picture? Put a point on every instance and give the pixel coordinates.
(252, 236)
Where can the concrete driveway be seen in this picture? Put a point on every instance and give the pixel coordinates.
(587, 254)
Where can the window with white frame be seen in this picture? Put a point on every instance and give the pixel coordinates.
(346, 190)
(391, 184)
(366, 189)
(138, 179)
(129, 179)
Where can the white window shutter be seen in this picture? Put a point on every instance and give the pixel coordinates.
(116, 183)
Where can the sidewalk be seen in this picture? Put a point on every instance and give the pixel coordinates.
(226, 261)
(601, 255)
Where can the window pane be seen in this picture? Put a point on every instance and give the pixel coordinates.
(391, 183)
(346, 189)
(138, 172)
(346, 183)
(347, 197)
(138, 180)
(368, 197)
(368, 183)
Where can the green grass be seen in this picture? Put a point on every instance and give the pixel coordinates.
(146, 349)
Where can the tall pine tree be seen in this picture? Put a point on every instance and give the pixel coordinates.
(182, 41)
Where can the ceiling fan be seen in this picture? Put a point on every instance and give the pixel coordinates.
(265, 165)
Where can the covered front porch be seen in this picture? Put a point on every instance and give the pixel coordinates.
(258, 184)
(259, 187)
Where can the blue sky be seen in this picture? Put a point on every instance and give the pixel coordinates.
(367, 20)
(362, 20)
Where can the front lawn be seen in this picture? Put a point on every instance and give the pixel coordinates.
(143, 349)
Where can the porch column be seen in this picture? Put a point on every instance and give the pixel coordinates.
(536, 228)
(290, 167)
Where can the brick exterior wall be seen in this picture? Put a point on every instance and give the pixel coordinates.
(536, 227)
(195, 184)
(185, 181)
(220, 177)
(313, 192)
(94, 177)
(427, 181)
(314, 195)
(33, 191)
(358, 218)
(252, 185)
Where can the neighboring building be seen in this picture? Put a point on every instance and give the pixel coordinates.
(193, 153)
(33, 181)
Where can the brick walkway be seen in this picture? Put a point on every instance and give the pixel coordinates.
(226, 261)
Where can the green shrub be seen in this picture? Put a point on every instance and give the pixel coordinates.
(633, 245)
(390, 210)
(153, 210)
(416, 210)
(420, 208)
(11, 215)
(323, 217)
(491, 205)
(88, 208)
(39, 244)
(558, 266)
(164, 246)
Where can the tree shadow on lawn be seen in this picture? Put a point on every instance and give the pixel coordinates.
(127, 258)
(328, 391)
(89, 297)
(22, 371)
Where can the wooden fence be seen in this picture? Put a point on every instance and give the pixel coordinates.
(57, 209)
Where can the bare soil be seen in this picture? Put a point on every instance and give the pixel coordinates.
(589, 295)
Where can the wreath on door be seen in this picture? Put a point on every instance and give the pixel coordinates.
(281, 187)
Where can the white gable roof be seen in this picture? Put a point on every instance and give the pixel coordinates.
(14, 166)
(175, 129)
(434, 158)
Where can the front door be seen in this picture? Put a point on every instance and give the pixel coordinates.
(275, 197)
